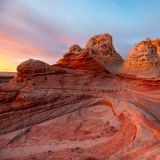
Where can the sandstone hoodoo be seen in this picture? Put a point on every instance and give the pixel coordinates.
(99, 50)
(77, 109)
(142, 61)
(102, 49)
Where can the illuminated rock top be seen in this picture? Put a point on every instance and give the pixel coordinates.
(142, 61)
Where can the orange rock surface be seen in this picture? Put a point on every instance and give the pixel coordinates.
(143, 61)
(78, 110)
(156, 42)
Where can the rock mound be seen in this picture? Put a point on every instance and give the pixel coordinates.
(142, 61)
(102, 49)
(74, 49)
(31, 68)
(99, 51)
(80, 60)
(76, 110)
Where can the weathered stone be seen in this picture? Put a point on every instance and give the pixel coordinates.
(156, 42)
(32, 68)
(78, 110)
(74, 49)
(102, 49)
(99, 50)
(82, 60)
(142, 61)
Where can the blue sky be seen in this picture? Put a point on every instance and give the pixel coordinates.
(44, 29)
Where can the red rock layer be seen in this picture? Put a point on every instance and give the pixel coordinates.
(82, 60)
(77, 110)
(87, 114)
(99, 52)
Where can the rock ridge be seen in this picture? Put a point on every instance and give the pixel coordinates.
(81, 108)
(99, 54)
(99, 49)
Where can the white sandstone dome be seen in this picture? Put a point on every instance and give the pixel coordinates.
(102, 49)
(142, 61)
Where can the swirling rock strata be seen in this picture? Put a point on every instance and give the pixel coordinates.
(77, 109)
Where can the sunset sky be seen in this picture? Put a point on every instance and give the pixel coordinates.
(44, 29)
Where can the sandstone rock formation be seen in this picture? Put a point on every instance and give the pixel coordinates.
(156, 42)
(102, 49)
(81, 60)
(74, 49)
(142, 61)
(32, 68)
(78, 110)
(99, 49)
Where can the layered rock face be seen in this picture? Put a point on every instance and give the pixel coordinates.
(102, 49)
(156, 42)
(78, 110)
(142, 61)
(99, 49)
(32, 68)
(80, 60)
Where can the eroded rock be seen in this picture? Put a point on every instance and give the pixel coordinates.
(99, 51)
(74, 49)
(82, 60)
(77, 109)
(142, 61)
(156, 42)
(31, 68)
(102, 49)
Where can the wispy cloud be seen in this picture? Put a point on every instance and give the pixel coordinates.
(26, 34)
(45, 29)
